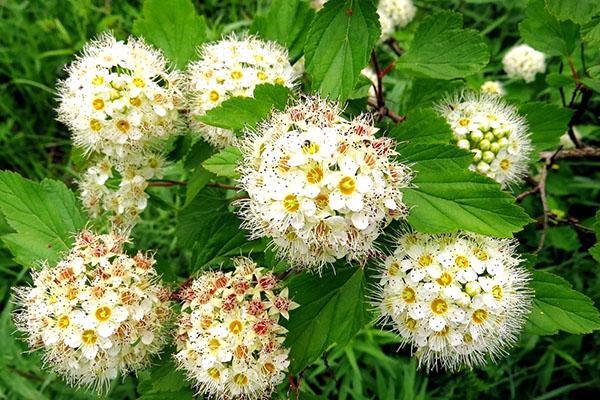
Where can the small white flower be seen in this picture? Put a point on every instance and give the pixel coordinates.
(229, 340)
(524, 62)
(471, 305)
(233, 67)
(493, 87)
(394, 14)
(493, 131)
(321, 186)
(82, 312)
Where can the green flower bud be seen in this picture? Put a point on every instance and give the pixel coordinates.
(489, 136)
(484, 144)
(488, 156)
(476, 136)
(495, 147)
(483, 167)
(464, 144)
(476, 155)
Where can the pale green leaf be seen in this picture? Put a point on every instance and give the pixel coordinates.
(332, 309)
(45, 216)
(579, 11)
(557, 306)
(338, 45)
(174, 27)
(224, 163)
(442, 49)
(237, 113)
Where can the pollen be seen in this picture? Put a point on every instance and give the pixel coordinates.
(479, 316)
(409, 296)
(439, 306)
(236, 327)
(314, 175)
(461, 261)
(98, 104)
(123, 125)
(103, 314)
(445, 279)
(89, 337)
(214, 96)
(290, 203)
(347, 185)
(63, 322)
(240, 379)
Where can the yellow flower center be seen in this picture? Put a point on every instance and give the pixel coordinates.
(283, 164)
(505, 164)
(439, 306)
(98, 80)
(98, 104)
(464, 122)
(268, 368)
(135, 101)
(261, 75)
(236, 327)
(236, 74)
(214, 344)
(240, 379)
(393, 269)
(279, 81)
(72, 293)
(410, 324)
(89, 337)
(468, 338)
(123, 125)
(103, 314)
(213, 96)
(445, 279)
(461, 261)
(95, 125)
(310, 148)
(290, 203)
(425, 260)
(409, 295)
(63, 322)
(214, 373)
(481, 254)
(139, 82)
(479, 316)
(314, 175)
(322, 201)
(347, 185)
(443, 332)
(497, 292)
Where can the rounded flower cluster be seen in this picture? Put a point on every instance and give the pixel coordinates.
(119, 95)
(120, 100)
(493, 131)
(493, 87)
(394, 14)
(96, 314)
(456, 299)
(233, 67)
(229, 339)
(524, 62)
(321, 186)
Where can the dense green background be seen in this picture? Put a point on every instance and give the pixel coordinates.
(38, 37)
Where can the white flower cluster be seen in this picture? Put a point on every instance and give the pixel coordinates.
(321, 186)
(456, 299)
(524, 62)
(97, 314)
(119, 100)
(493, 87)
(394, 14)
(229, 339)
(493, 131)
(233, 67)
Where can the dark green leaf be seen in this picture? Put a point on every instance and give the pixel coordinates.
(545, 33)
(287, 22)
(338, 45)
(442, 49)
(45, 216)
(172, 26)
(579, 11)
(237, 113)
(547, 123)
(557, 306)
(422, 125)
(332, 309)
(163, 381)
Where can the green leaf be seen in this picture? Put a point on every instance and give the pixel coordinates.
(422, 125)
(555, 79)
(338, 45)
(547, 123)
(332, 309)
(563, 238)
(45, 216)
(211, 231)
(442, 49)
(579, 11)
(287, 22)
(595, 249)
(590, 32)
(172, 26)
(545, 33)
(557, 306)
(200, 176)
(237, 113)
(447, 197)
(224, 163)
(163, 381)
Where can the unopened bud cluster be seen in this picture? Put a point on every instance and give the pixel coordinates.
(524, 62)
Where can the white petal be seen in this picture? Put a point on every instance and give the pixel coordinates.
(90, 352)
(147, 337)
(360, 221)
(355, 202)
(437, 323)
(106, 329)
(120, 314)
(364, 184)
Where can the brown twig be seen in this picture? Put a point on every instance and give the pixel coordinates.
(394, 46)
(169, 183)
(379, 103)
(583, 152)
(385, 112)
